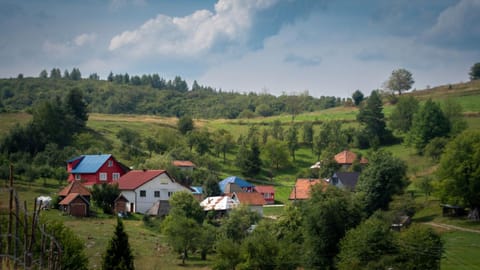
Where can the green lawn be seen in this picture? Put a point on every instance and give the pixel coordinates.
(462, 250)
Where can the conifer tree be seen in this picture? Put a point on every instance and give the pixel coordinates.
(118, 255)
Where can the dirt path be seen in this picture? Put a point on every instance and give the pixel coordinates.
(451, 227)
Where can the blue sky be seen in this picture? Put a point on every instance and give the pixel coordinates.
(325, 47)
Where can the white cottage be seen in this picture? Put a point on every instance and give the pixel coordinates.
(143, 188)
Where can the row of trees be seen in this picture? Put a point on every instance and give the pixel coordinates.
(334, 229)
(172, 100)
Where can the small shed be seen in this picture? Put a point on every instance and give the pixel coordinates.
(121, 204)
(76, 205)
(449, 210)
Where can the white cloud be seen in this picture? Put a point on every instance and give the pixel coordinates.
(84, 39)
(193, 34)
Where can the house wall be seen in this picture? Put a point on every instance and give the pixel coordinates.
(161, 183)
(269, 197)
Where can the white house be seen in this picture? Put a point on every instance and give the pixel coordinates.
(143, 188)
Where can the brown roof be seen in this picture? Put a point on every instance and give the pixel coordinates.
(71, 197)
(183, 163)
(348, 157)
(134, 179)
(265, 189)
(250, 198)
(75, 187)
(301, 191)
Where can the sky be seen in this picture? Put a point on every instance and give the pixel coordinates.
(325, 47)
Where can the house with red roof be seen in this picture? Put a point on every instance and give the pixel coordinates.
(347, 158)
(253, 200)
(144, 188)
(184, 165)
(95, 169)
(268, 193)
(301, 190)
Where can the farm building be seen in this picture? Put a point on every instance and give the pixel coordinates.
(301, 190)
(75, 204)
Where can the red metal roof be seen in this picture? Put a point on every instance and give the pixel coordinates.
(250, 198)
(70, 198)
(183, 163)
(265, 189)
(303, 186)
(347, 157)
(134, 179)
(75, 187)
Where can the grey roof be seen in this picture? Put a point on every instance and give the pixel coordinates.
(348, 179)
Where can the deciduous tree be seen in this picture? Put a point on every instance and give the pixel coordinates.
(357, 97)
(400, 80)
(384, 177)
(459, 172)
(402, 116)
(475, 72)
(429, 122)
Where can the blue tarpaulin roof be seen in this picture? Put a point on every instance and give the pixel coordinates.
(89, 163)
(197, 190)
(234, 179)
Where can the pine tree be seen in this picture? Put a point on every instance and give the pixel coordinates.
(118, 255)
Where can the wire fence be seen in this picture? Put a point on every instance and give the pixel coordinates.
(24, 242)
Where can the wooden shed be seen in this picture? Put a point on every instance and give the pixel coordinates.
(76, 205)
(121, 204)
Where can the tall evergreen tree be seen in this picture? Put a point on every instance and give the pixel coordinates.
(118, 255)
(372, 117)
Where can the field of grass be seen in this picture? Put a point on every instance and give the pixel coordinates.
(462, 251)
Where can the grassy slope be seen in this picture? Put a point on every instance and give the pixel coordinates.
(144, 241)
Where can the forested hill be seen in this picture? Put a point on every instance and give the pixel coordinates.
(172, 98)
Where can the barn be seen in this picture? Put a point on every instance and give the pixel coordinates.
(75, 205)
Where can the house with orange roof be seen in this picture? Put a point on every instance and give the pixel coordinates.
(253, 200)
(347, 158)
(144, 188)
(184, 165)
(301, 190)
(75, 187)
(75, 204)
(268, 193)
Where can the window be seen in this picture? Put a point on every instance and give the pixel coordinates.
(77, 177)
(103, 176)
(156, 194)
(110, 163)
(115, 176)
(170, 193)
(143, 193)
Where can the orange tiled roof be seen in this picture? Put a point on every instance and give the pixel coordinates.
(75, 187)
(183, 163)
(70, 198)
(303, 186)
(250, 198)
(348, 157)
(265, 189)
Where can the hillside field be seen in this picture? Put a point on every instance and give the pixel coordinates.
(148, 245)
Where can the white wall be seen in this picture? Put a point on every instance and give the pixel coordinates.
(161, 183)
